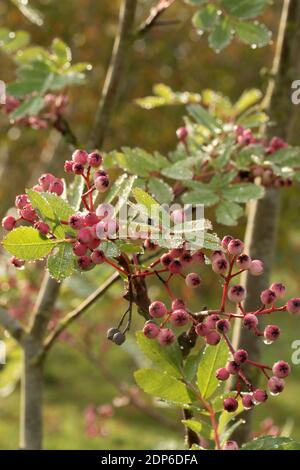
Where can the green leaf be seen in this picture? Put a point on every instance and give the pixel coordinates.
(46, 212)
(196, 3)
(62, 53)
(222, 180)
(61, 264)
(192, 424)
(31, 107)
(228, 213)
(162, 385)
(289, 156)
(213, 358)
(247, 99)
(138, 162)
(201, 194)
(245, 9)
(246, 156)
(167, 359)
(124, 192)
(14, 41)
(221, 35)
(130, 248)
(181, 170)
(191, 366)
(28, 244)
(255, 34)
(75, 192)
(115, 188)
(154, 210)
(160, 190)
(243, 192)
(211, 241)
(205, 18)
(32, 14)
(203, 117)
(272, 443)
(110, 249)
(60, 206)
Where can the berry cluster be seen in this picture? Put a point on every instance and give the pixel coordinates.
(54, 107)
(214, 325)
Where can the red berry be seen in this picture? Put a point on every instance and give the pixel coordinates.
(248, 402)
(91, 219)
(235, 247)
(101, 183)
(198, 257)
(98, 257)
(186, 259)
(217, 254)
(182, 133)
(78, 168)
(212, 338)
(42, 227)
(175, 267)
(68, 166)
(233, 368)
(76, 221)
(202, 329)
(21, 201)
(278, 289)
(225, 241)
(56, 187)
(193, 280)
(79, 249)
(166, 337)
(276, 385)
(231, 445)
(244, 261)
(220, 266)
(281, 369)
(18, 263)
(28, 213)
(9, 223)
(212, 320)
(179, 318)
(240, 356)
(271, 333)
(230, 404)
(178, 304)
(250, 321)
(222, 374)
(223, 326)
(293, 306)
(260, 396)
(84, 236)
(80, 156)
(268, 297)
(84, 262)
(45, 180)
(94, 159)
(151, 330)
(157, 309)
(236, 294)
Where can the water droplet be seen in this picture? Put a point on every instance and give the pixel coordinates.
(200, 32)
(268, 342)
(219, 12)
(253, 46)
(274, 394)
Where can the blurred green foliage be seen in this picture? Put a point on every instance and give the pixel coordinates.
(177, 56)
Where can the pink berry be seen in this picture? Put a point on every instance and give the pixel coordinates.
(105, 210)
(80, 156)
(178, 216)
(193, 280)
(84, 236)
(45, 180)
(182, 133)
(217, 254)
(223, 326)
(230, 404)
(9, 223)
(84, 262)
(93, 244)
(231, 445)
(157, 309)
(250, 321)
(42, 227)
(281, 369)
(175, 267)
(293, 306)
(56, 187)
(94, 159)
(276, 385)
(101, 183)
(18, 263)
(260, 396)
(271, 333)
(202, 329)
(151, 330)
(76, 221)
(235, 247)
(233, 368)
(278, 289)
(236, 294)
(150, 245)
(220, 266)
(212, 338)
(166, 259)
(98, 257)
(225, 241)
(68, 166)
(248, 402)
(222, 374)
(178, 304)
(212, 321)
(21, 201)
(28, 213)
(240, 356)
(166, 337)
(79, 249)
(78, 168)
(179, 318)
(91, 219)
(256, 267)
(198, 257)
(186, 259)
(268, 297)
(243, 261)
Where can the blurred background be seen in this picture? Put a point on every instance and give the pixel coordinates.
(91, 401)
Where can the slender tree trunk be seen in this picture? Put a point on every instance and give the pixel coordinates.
(262, 224)
(31, 421)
